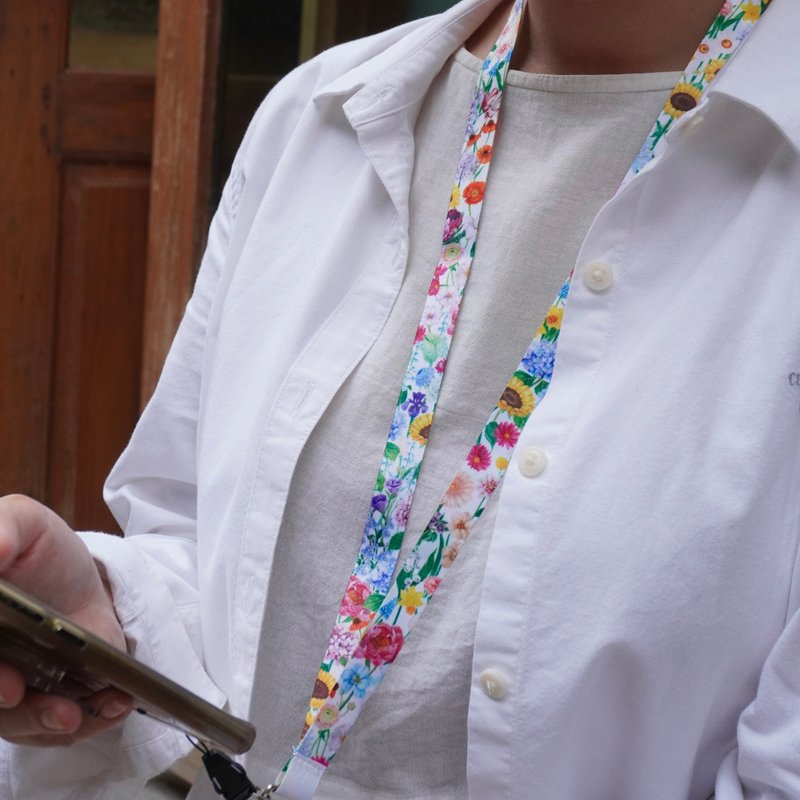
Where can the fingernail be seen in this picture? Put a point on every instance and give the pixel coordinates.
(50, 721)
(113, 709)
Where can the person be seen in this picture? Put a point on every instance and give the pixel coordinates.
(623, 621)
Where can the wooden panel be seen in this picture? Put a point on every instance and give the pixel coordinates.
(106, 115)
(99, 312)
(32, 50)
(188, 44)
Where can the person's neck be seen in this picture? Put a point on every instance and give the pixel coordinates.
(596, 37)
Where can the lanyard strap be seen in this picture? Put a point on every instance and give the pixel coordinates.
(377, 610)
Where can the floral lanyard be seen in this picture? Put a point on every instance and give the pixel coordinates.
(378, 611)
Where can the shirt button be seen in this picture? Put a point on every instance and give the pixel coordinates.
(597, 276)
(532, 462)
(494, 684)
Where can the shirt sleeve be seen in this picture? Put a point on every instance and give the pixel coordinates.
(152, 575)
(152, 492)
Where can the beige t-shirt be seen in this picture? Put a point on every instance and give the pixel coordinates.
(563, 145)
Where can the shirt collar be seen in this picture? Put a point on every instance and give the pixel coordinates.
(400, 75)
(759, 75)
(381, 96)
(763, 74)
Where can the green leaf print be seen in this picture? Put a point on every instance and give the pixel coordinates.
(524, 377)
(373, 602)
(428, 567)
(396, 541)
(433, 346)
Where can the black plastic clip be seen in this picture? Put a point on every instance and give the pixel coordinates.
(229, 778)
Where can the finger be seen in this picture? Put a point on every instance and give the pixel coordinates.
(111, 705)
(12, 687)
(40, 553)
(46, 720)
(40, 714)
(22, 523)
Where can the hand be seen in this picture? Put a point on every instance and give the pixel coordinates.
(41, 555)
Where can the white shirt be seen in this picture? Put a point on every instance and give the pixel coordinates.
(640, 594)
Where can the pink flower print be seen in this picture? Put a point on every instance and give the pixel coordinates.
(353, 601)
(380, 644)
(321, 760)
(452, 224)
(420, 334)
(430, 316)
(440, 365)
(459, 490)
(449, 555)
(490, 102)
(479, 458)
(461, 526)
(488, 486)
(440, 270)
(430, 585)
(726, 9)
(506, 434)
(453, 317)
(401, 513)
(433, 289)
(341, 644)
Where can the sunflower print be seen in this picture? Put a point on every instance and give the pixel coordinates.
(517, 399)
(421, 428)
(684, 97)
(728, 31)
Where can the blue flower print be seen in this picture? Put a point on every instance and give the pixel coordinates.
(424, 377)
(541, 359)
(356, 679)
(387, 609)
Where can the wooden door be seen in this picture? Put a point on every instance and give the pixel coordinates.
(73, 211)
(75, 199)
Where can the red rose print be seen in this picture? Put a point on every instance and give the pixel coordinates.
(381, 644)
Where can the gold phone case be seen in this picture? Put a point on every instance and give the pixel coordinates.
(58, 656)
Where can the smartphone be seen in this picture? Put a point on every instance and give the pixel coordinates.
(60, 657)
